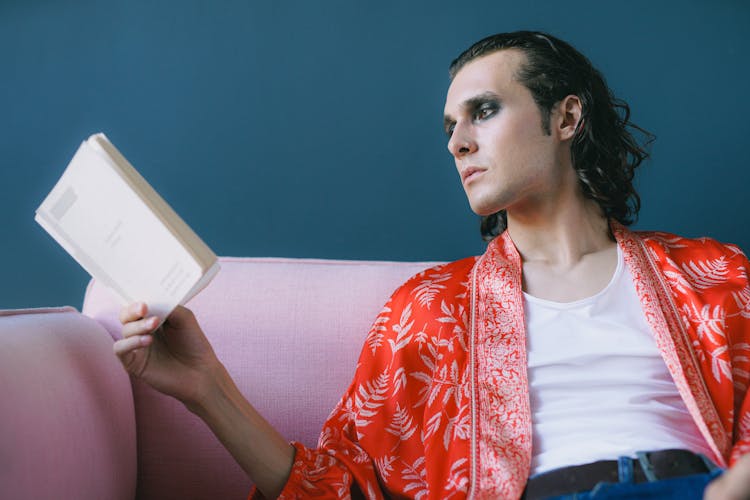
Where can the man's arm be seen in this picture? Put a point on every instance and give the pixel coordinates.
(734, 484)
(179, 361)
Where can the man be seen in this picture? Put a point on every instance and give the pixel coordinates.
(564, 350)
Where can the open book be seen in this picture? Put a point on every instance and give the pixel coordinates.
(123, 233)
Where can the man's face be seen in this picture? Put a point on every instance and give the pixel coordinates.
(504, 157)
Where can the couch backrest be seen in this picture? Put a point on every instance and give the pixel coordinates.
(289, 331)
(67, 425)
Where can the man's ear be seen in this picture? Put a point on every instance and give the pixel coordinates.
(570, 110)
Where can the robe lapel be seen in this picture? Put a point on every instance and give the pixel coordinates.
(501, 447)
(672, 340)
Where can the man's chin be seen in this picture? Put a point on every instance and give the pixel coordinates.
(484, 204)
(484, 210)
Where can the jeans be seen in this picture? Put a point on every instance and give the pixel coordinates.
(678, 488)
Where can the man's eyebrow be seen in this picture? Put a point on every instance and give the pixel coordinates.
(474, 102)
(471, 104)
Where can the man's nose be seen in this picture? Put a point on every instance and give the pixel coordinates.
(461, 143)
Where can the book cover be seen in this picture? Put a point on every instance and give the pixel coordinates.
(118, 228)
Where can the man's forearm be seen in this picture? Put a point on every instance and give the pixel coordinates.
(260, 450)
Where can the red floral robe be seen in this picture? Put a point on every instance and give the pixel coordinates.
(439, 404)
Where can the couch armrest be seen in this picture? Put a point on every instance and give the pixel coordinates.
(67, 425)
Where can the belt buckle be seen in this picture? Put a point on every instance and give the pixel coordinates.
(652, 473)
(646, 466)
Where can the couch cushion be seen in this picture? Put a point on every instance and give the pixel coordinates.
(289, 331)
(67, 424)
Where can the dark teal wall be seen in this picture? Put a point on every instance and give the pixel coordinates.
(313, 128)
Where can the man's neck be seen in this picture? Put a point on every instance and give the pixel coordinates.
(562, 237)
(568, 255)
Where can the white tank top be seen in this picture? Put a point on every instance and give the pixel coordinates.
(599, 387)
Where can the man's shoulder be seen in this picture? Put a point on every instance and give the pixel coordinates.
(695, 257)
(683, 247)
(443, 282)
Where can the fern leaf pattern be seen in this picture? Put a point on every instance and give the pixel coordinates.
(377, 332)
(384, 465)
(449, 313)
(399, 380)
(370, 397)
(742, 299)
(402, 425)
(457, 427)
(733, 251)
(342, 487)
(670, 241)
(720, 367)
(706, 274)
(741, 366)
(678, 281)
(402, 331)
(458, 480)
(710, 322)
(430, 287)
(433, 425)
(415, 475)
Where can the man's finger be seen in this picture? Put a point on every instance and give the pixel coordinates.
(124, 346)
(140, 327)
(132, 312)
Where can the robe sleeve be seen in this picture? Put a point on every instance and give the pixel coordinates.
(738, 326)
(354, 435)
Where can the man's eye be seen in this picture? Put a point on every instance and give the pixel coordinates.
(485, 112)
(449, 129)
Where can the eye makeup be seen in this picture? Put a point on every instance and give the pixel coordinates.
(479, 107)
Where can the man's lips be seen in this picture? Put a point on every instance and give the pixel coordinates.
(469, 172)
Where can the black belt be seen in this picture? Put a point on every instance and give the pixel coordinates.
(650, 466)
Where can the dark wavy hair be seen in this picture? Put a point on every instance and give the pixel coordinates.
(604, 151)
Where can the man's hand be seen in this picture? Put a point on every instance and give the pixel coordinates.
(734, 484)
(176, 359)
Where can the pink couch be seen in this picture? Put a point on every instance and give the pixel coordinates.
(74, 426)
